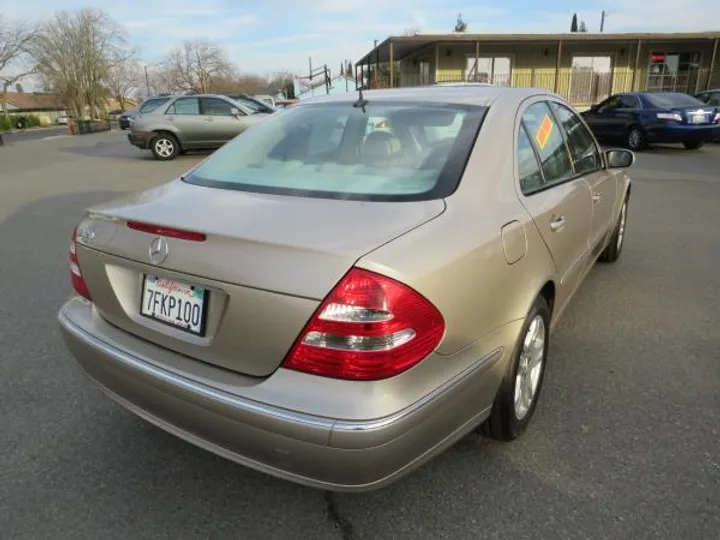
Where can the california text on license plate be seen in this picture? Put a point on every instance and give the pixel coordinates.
(177, 304)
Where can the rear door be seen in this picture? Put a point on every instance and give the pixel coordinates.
(588, 164)
(184, 115)
(559, 202)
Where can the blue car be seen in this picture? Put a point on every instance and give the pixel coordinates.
(638, 119)
(126, 119)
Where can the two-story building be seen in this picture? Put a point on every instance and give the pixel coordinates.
(584, 68)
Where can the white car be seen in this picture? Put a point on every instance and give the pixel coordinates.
(62, 119)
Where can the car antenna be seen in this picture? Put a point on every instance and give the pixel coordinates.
(361, 102)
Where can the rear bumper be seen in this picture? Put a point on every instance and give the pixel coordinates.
(140, 140)
(679, 133)
(321, 452)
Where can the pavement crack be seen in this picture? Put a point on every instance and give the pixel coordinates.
(339, 521)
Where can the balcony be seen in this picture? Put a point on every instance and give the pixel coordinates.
(579, 87)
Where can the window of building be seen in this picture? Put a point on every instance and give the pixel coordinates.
(672, 71)
(489, 69)
(591, 79)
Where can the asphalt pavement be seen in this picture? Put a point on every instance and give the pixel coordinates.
(625, 443)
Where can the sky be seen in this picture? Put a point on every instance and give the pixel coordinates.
(266, 36)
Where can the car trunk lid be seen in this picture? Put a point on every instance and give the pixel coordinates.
(265, 263)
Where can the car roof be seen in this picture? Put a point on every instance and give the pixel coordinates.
(471, 94)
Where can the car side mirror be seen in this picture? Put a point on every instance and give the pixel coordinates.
(619, 159)
(236, 112)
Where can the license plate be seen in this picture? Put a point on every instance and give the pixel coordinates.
(174, 303)
(698, 119)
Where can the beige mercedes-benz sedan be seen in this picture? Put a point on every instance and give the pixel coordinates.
(349, 287)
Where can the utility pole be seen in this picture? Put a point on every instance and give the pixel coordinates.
(147, 82)
(602, 21)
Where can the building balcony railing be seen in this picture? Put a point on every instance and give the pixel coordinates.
(581, 87)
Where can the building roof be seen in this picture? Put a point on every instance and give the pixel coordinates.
(35, 101)
(405, 45)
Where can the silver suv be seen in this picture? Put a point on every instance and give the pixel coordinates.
(172, 125)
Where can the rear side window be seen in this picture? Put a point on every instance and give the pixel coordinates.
(549, 142)
(531, 177)
(336, 150)
(184, 106)
(151, 104)
(585, 153)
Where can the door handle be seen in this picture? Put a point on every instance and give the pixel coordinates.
(557, 223)
(596, 198)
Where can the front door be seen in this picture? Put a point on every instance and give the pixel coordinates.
(588, 163)
(559, 202)
(611, 118)
(221, 124)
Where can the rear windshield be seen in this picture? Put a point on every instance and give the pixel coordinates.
(151, 104)
(672, 99)
(386, 152)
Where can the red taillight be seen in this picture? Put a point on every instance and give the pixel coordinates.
(76, 278)
(370, 327)
(717, 118)
(167, 231)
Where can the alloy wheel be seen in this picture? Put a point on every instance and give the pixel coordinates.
(530, 367)
(164, 147)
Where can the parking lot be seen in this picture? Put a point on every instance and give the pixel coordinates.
(625, 443)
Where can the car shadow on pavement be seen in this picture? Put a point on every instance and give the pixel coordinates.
(121, 149)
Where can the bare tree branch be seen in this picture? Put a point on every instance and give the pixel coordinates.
(122, 78)
(194, 65)
(15, 42)
(74, 54)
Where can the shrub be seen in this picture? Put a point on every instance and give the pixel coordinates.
(33, 120)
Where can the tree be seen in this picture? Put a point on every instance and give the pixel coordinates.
(19, 88)
(414, 30)
(349, 70)
(74, 54)
(574, 23)
(280, 82)
(15, 43)
(122, 78)
(582, 27)
(460, 25)
(193, 65)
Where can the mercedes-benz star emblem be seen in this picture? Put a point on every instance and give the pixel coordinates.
(158, 250)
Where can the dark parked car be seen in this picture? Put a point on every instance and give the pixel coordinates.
(641, 118)
(126, 119)
(711, 97)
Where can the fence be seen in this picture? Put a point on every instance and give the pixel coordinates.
(581, 87)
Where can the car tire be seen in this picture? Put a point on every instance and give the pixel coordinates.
(165, 146)
(513, 408)
(635, 139)
(612, 251)
(693, 145)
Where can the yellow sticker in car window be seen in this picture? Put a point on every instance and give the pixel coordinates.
(543, 133)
